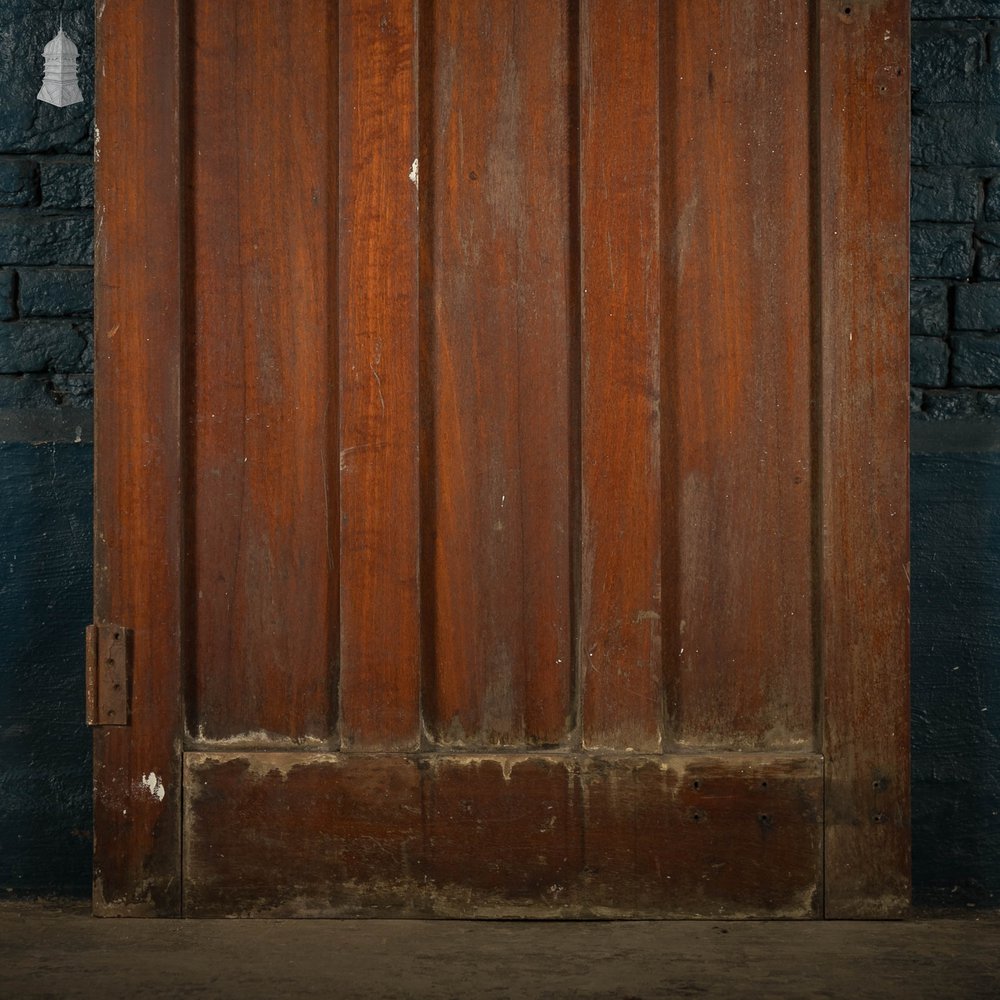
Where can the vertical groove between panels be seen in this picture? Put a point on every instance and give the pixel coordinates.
(816, 386)
(816, 357)
(575, 363)
(335, 211)
(186, 436)
(427, 462)
(188, 293)
(669, 534)
(332, 443)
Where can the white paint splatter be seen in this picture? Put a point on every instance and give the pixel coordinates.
(155, 785)
(415, 173)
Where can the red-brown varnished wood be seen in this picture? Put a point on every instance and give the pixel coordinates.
(138, 508)
(863, 156)
(379, 365)
(737, 472)
(276, 834)
(593, 449)
(262, 539)
(621, 538)
(501, 277)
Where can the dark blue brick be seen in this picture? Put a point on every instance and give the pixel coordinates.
(949, 64)
(955, 135)
(947, 404)
(18, 182)
(941, 251)
(977, 307)
(25, 392)
(45, 346)
(944, 195)
(29, 238)
(991, 208)
(52, 291)
(988, 253)
(928, 308)
(954, 8)
(928, 362)
(67, 183)
(975, 360)
(7, 307)
(72, 390)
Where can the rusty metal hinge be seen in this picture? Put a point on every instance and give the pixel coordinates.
(109, 675)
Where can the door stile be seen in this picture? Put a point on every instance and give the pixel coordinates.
(138, 433)
(863, 191)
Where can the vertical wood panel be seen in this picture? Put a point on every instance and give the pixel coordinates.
(262, 545)
(736, 310)
(138, 510)
(498, 192)
(863, 157)
(620, 648)
(379, 365)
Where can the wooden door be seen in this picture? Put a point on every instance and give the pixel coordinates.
(502, 448)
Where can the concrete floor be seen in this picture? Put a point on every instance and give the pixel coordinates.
(47, 950)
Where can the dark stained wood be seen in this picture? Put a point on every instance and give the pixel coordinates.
(737, 387)
(498, 193)
(621, 538)
(138, 508)
(263, 537)
(520, 835)
(863, 156)
(379, 366)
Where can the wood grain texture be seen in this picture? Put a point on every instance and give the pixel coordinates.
(497, 186)
(863, 156)
(737, 388)
(503, 836)
(138, 477)
(262, 538)
(379, 366)
(621, 537)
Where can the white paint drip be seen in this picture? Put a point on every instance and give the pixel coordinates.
(415, 173)
(155, 785)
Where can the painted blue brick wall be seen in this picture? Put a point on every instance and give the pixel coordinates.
(46, 360)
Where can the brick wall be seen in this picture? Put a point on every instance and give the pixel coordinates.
(46, 513)
(46, 214)
(955, 209)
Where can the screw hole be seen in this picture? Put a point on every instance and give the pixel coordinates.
(763, 784)
(117, 635)
(696, 816)
(765, 819)
(696, 784)
(847, 11)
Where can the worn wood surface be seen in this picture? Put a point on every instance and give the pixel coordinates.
(864, 522)
(139, 473)
(737, 477)
(523, 376)
(262, 538)
(291, 834)
(620, 536)
(496, 171)
(379, 365)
